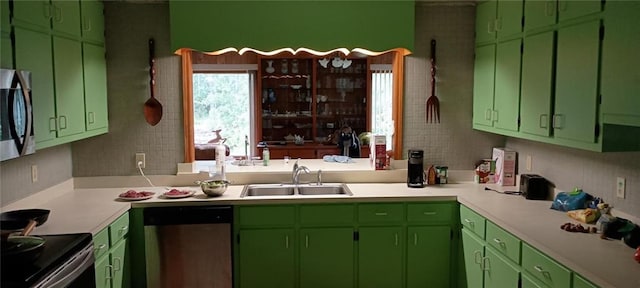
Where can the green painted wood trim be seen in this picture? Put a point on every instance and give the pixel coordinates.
(269, 25)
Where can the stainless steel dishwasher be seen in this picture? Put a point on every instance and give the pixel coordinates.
(188, 246)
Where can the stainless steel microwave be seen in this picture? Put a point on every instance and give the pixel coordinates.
(16, 114)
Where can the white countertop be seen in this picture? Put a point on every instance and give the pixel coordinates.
(606, 263)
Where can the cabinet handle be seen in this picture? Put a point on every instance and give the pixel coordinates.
(477, 257)
(415, 239)
(55, 124)
(486, 264)
(549, 8)
(499, 242)
(544, 121)
(117, 264)
(542, 271)
(286, 241)
(86, 24)
(397, 239)
(61, 120)
(562, 5)
(490, 29)
(57, 16)
(557, 121)
(91, 117)
(108, 270)
(306, 241)
(495, 116)
(487, 115)
(123, 229)
(430, 213)
(46, 9)
(498, 24)
(381, 214)
(102, 246)
(471, 223)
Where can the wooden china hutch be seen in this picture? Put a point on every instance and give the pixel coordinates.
(303, 101)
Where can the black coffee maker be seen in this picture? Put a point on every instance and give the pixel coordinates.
(415, 169)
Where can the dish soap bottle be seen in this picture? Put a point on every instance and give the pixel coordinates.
(265, 156)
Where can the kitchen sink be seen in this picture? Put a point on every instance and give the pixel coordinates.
(291, 189)
(325, 189)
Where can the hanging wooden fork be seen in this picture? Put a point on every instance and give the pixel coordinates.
(433, 104)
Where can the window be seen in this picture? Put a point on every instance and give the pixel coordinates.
(382, 102)
(222, 102)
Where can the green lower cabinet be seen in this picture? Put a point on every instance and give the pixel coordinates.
(267, 258)
(326, 258)
(118, 257)
(428, 256)
(380, 257)
(473, 253)
(498, 271)
(530, 282)
(579, 282)
(103, 272)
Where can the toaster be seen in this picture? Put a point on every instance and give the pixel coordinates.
(534, 187)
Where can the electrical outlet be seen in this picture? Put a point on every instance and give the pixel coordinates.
(34, 173)
(528, 162)
(140, 157)
(620, 187)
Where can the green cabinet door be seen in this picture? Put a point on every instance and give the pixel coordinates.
(6, 51)
(380, 257)
(103, 271)
(486, 21)
(509, 20)
(266, 258)
(120, 265)
(66, 17)
(483, 81)
(33, 14)
(507, 85)
(537, 84)
(428, 256)
(69, 86)
(570, 9)
(92, 24)
(498, 271)
(577, 82)
(620, 61)
(473, 253)
(579, 282)
(5, 20)
(539, 14)
(531, 282)
(326, 258)
(95, 86)
(33, 53)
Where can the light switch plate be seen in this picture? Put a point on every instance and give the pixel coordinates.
(620, 187)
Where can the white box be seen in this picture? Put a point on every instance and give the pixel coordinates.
(505, 161)
(379, 152)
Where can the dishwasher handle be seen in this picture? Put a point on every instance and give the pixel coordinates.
(157, 216)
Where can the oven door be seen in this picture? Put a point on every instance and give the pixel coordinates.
(16, 120)
(78, 271)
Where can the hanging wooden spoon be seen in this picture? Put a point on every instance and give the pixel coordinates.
(152, 108)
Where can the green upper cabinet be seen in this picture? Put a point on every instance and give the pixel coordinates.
(95, 86)
(539, 14)
(380, 257)
(473, 254)
(69, 86)
(92, 21)
(66, 17)
(33, 53)
(507, 85)
(267, 258)
(486, 13)
(498, 19)
(326, 257)
(483, 85)
(620, 86)
(537, 84)
(33, 14)
(428, 256)
(576, 93)
(5, 20)
(6, 51)
(571, 9)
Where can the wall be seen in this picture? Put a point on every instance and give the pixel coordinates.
(594, 172)
(54, 167)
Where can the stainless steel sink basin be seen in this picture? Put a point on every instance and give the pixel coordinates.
(326, 189)
(291, 190)
(267, 190)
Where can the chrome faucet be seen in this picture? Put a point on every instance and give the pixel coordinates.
(296, 174)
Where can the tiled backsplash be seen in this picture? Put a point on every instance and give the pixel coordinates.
(594, 172)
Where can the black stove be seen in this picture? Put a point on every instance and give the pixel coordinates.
(58, 249)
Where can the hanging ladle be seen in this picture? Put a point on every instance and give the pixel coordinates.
(152, 108)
